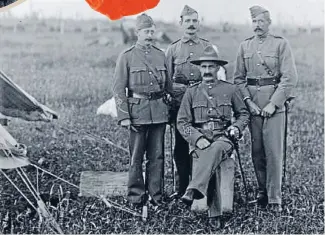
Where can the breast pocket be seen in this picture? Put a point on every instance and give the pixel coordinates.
(137, 76)
(162, 71)
(179, 65)
(248, 61)
(271, 59)
(200, 108)
(224, 107)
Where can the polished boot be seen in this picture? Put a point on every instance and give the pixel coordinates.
(214, 223)
(262, 199)
(188, 197)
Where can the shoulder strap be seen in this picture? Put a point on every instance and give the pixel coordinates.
(128, 49)
(153, 70)
(249, 38)
(175, 41)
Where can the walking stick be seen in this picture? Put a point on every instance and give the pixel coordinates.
(241, 168)
(236, 147)
(172, 156)
(286, 105)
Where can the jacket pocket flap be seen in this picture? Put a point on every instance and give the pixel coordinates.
(271, 54)
(248, 55)
(180, 60)
(200, 103)
(161, 68)
(137, 69)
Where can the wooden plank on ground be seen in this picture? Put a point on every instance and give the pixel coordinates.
(106, 183)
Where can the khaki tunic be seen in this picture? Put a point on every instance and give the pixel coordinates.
(132, 75)
(276, 52)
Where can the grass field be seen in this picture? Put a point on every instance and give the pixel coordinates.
(61, 71)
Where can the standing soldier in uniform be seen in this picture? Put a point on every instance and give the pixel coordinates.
(204, 120)
(183, 73)
(266, 74)
(141, 84)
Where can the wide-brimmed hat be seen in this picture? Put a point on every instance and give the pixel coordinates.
(209, 54)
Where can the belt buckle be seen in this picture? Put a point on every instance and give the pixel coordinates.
(190, 83)
(211, 125)
(257, 81)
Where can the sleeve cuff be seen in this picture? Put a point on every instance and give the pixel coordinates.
(246, 97)
(194, 138)
(278, 99)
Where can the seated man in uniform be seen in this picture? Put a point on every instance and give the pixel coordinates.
(204, 120)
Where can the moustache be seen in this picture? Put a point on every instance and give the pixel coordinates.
(207, 75)
(149, 39)
(257, 29)
(191, 27)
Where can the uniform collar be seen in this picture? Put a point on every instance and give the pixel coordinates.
(187, 38)
(143, 47)
(262, 37)
(212, 83)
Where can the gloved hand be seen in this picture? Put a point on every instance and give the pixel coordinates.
(203, 143)
(127, 124)
(234, 132)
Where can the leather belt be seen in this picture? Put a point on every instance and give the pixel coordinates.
(214, 125)
(188, 82)
(263, 81)
(147, 96)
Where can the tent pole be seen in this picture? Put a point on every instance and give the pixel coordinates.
(7, 177)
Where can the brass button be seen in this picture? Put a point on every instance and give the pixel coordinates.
(210, 109)
(146, 52)
(151, 83)
(211, 119)
(150, 72)
(210, 87)
(210, 97)
(259, 52)
(258, 64)
(192, 74)
(191, 44)
(191, 53)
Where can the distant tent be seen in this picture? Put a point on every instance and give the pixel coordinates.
(15, 102)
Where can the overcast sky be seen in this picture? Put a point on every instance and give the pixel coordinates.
(236, 11)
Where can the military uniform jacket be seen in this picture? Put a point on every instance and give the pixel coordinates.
(179, 54)
(276, 53)
(196, 109)
(133, 76)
